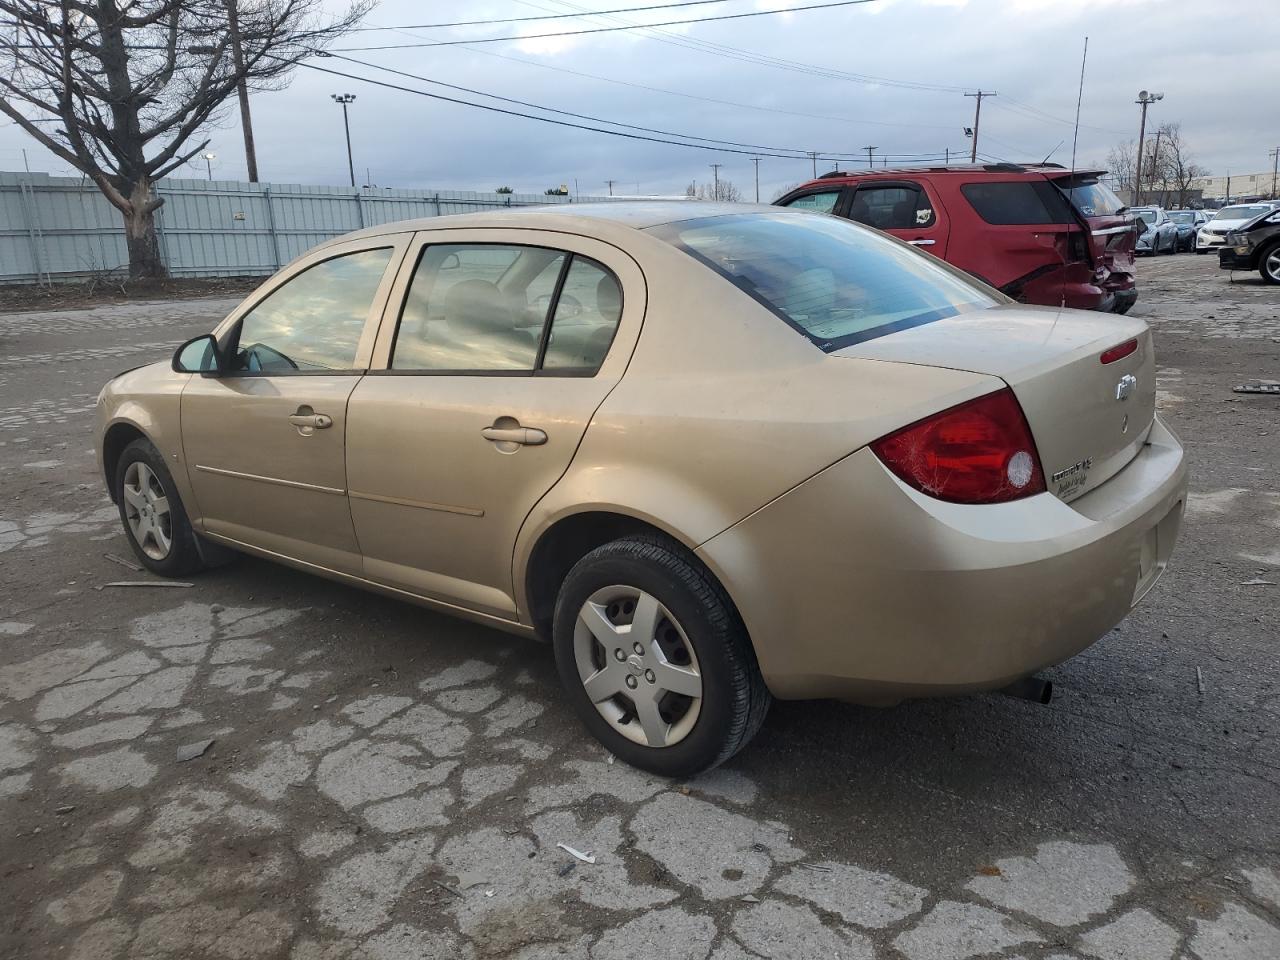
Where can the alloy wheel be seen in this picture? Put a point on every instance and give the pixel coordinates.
(1272, 264)
(637, 666)
(146, 510)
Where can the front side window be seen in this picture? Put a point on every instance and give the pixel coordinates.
(1017, 202)
(835, 282)
(823, 202)
(313, 322)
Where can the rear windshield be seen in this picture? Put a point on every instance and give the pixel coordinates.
(836, 282)
(1090, 196)
(1018, 202)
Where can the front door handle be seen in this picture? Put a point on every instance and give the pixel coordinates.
(922, 243)
(526, 436)
(317, 420)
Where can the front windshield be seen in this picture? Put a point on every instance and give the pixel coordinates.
(835, 281)
(1146, 214)
(1183, 216)
(1241, 213)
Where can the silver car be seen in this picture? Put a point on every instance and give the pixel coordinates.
(1159, 233)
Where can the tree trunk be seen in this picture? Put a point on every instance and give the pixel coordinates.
(140, 234)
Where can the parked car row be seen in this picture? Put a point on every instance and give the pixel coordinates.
(1039, 233)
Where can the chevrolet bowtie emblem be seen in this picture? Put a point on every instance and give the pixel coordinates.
(1125, 386)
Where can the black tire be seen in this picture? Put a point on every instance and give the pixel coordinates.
(734, 696)
(1263, 256)
(184, 557)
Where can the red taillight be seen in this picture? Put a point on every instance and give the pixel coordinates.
(981, 451)
(1120, 352)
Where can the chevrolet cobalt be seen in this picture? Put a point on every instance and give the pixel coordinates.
(714, 453)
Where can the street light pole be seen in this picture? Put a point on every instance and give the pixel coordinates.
(344, 99)
(1145, 99)
(208, 163)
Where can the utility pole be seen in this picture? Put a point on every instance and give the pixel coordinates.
(344, 99)
(756, 161)
(977, 116)
(1145, 99)
(1275, 169)
(610, 184)
(715, 179)
(870, 150)
(947, 153)
(242, 91)
(814, 157)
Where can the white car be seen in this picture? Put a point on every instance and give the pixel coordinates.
(1214, 234)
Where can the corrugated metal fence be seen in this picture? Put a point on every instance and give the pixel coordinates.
(62, 228)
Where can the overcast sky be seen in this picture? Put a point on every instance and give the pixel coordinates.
(1218, 69)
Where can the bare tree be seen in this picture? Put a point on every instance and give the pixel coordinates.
(1121, 161)
(122, 89)
(1175, 166)
(724, 191)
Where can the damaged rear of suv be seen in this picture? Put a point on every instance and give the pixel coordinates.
(1039, 233)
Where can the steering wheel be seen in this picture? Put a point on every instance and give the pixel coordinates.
(568, 307)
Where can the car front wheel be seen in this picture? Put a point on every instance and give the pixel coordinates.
(655, 659)
(1269, 263)
(152, 513)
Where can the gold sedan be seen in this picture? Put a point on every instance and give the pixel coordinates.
(716, 454)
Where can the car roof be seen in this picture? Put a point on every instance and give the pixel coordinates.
(602, 220)
(1002, 170)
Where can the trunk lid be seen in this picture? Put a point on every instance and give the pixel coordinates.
(1089, 418)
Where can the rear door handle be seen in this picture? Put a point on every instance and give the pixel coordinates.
(922, 243)
(318, 421)
(528, 436)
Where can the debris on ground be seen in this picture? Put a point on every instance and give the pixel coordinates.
(147, 583)
(1258, 386)
(189, 751)
(1258, 583)
(135, 567)
(1200, 681)
(576, 854)
(449, 888)
(63, 811)
(566, 869)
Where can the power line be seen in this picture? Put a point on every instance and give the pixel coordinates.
(694, 96)
(551, 120)
(552, 16)
(776, 150)
(577, 33)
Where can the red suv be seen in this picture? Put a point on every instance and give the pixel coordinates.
(1039, 233)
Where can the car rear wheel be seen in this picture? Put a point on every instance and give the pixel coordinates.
(655, 659)
(152, 513)
(1269, 263)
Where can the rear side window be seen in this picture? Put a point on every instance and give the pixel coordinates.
(1017, 202)
(892, 207)
(823, 202)
(835, 282)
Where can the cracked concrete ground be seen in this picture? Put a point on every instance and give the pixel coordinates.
(388, 783)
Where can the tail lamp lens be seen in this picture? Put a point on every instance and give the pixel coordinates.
(1120, 352)
(981, 451)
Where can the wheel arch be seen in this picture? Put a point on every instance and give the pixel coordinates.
(569, 538)
(115, 438)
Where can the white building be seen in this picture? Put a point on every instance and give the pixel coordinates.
(1235, 185)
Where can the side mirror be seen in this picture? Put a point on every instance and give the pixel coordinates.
(198, 355)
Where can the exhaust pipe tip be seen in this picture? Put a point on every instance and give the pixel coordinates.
(1034, 689)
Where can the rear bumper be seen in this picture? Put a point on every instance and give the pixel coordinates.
(857, 587)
